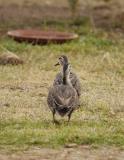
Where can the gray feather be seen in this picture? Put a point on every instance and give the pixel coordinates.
(63, 99)
(74, 81)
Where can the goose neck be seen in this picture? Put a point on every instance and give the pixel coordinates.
(66, 73)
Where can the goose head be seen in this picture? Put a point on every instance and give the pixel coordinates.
(62, 60)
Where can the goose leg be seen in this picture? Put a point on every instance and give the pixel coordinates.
(54, 116)
(69, 116)
(54, 120)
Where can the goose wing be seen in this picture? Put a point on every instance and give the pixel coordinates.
(75, 83)
(58, 80)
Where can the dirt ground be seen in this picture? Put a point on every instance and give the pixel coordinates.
(77, 153)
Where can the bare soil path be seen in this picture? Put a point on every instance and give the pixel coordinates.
(76, 153)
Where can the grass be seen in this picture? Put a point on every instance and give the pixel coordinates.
(25, 119)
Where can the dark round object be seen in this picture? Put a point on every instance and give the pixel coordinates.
(41, 37)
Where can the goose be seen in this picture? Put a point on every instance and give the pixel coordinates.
(63, 98)
(63, 60)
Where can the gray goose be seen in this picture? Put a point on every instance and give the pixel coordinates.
(73, 77)
(63, 98)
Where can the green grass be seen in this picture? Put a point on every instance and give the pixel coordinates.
(27, 121)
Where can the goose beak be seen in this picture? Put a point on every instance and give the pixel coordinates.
(57, 64)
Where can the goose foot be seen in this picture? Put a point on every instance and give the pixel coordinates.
(56, 122)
